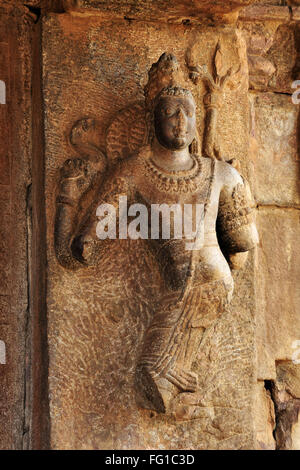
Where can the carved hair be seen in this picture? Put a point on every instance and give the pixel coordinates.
(164, 76)
(165, 79)
(172, 91)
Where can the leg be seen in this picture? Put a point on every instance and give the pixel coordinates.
(164, 369)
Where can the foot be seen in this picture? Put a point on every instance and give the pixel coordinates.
(188, 406)
(154, 393)
(157, 392)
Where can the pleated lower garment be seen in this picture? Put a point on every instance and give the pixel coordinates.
(173, 339)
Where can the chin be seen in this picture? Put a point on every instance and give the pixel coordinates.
(179, 144)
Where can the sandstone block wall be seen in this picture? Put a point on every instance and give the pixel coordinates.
(70, 353)
(273, 55)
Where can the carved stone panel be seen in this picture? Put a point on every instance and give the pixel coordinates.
(108, 319)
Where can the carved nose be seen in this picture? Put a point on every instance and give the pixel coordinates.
(181, 118)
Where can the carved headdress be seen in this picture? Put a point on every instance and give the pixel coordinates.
(164, 78)
(132, 127)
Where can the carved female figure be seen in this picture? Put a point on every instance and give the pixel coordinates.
(198, 281)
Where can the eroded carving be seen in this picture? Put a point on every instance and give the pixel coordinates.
(216, 83)
(151, 160)
(79, 178)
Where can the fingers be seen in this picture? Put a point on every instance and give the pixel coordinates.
(74, 167)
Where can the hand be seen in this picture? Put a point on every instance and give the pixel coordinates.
(76, 178)
(74, 168)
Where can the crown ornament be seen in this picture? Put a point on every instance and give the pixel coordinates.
(164, 74)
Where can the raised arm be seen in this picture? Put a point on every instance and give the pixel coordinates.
(78, 178)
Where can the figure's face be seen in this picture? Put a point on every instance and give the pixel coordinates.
(175, 121)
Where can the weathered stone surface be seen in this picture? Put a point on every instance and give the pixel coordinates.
(296, 13)
(267, 11)
(4, 309)
(95, 64)
(277, 325)
(97, 316)
(277, 289)
(264, 418)
(274, 149)
(159, 10)
(288, 373)
(273, 47)
(295, 436)
(44, 5)
(15, 124)
(285, 395)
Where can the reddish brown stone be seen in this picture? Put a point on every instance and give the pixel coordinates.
(265, 13)
(4, 309)
(274, 152)
(153, 10)
(86, 313)
(278, 295)
(94, 64)
(273, 54)
(14, 160)
(296, 13)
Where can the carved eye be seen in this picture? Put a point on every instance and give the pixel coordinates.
(168, 111)
(85, 125)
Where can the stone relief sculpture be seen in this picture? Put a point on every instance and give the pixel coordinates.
(153, 158)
